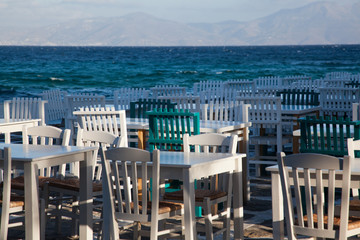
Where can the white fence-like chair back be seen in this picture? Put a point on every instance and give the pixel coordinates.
(191, 103)
(338, 101)
(24, 109)
(269, 83)
(225, 111)
(209, 90)
(123, 97)
(288, 81)
(240, 87)
(55, 109)
(167, 90)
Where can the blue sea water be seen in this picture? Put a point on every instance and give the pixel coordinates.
(27, 70)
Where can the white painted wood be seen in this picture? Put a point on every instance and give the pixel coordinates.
(338, 100)
(55, 109)
(130, 164)
(208, 90)
(123, 97)
(167, 90)
(211, 143)
(316, 172)
(186, 102)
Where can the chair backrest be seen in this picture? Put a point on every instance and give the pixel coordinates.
(210, 143)
(123, 97)
(25, 109)
(166, 128)
(104, 119)
(209, 90)
(315, 172)
(167, 90)
(139, 108)
(5, 156)
(238, 87)
(129, 168)
(327, 135)
(299, 97)
(225, 111)
(264, 111)
(48, 135)
(338, 100)
(191, 103)
(55, 109)
(97, 139)
(269, 83)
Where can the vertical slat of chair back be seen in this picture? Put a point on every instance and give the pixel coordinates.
(166, 128)
(327, 135)
(317, 174)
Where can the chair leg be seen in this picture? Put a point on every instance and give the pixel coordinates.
(137, 228)
(42, 219)
(208, 219)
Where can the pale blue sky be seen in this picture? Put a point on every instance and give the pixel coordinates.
(34, 13)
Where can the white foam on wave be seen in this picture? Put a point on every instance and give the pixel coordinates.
(56, 79)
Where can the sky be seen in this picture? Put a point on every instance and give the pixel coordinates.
(25, 14)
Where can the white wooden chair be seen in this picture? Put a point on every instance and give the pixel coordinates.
(55, 110)
(265, 116)
(220, 110)
(338, 100)
(77, 101)
(186, 102)
(129, 165)
(123, 97)
(167, 90)
(208, 90)
(19, 109)
(316, 172)
(71, 186)
(215, 189)
(238, 87)
(11, 204)
(104, 120)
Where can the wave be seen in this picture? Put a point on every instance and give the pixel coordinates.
(56, 79)
(187, 72)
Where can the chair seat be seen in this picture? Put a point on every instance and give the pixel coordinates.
(164, 207)
(18, 182)
(354, 222)
(200, 194)
(72, 184)
(354, 205)
(15, 201)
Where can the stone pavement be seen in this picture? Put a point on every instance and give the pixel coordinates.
(258, 224)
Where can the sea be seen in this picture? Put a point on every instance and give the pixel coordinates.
(26, 71)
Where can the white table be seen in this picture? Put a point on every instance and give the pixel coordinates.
(278, 201)
(191, 166)
(33, 157)
(10, 126)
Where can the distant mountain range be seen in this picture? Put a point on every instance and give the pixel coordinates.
(317, 23)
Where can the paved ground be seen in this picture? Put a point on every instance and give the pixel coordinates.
(258, 223)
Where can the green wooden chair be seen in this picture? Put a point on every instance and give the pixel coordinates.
(299, 97)
(139, 108)
(167, 127)
(327, 135)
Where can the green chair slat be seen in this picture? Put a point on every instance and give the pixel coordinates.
(299, 97)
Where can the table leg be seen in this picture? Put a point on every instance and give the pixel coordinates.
(189, 205)
(238, 201)
(31, 188)
(244, 148)
(277, 207)
(86, 201)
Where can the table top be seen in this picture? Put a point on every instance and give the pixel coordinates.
(187, 160)
(27, 153)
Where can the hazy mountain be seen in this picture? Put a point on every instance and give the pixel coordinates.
(318, 23)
